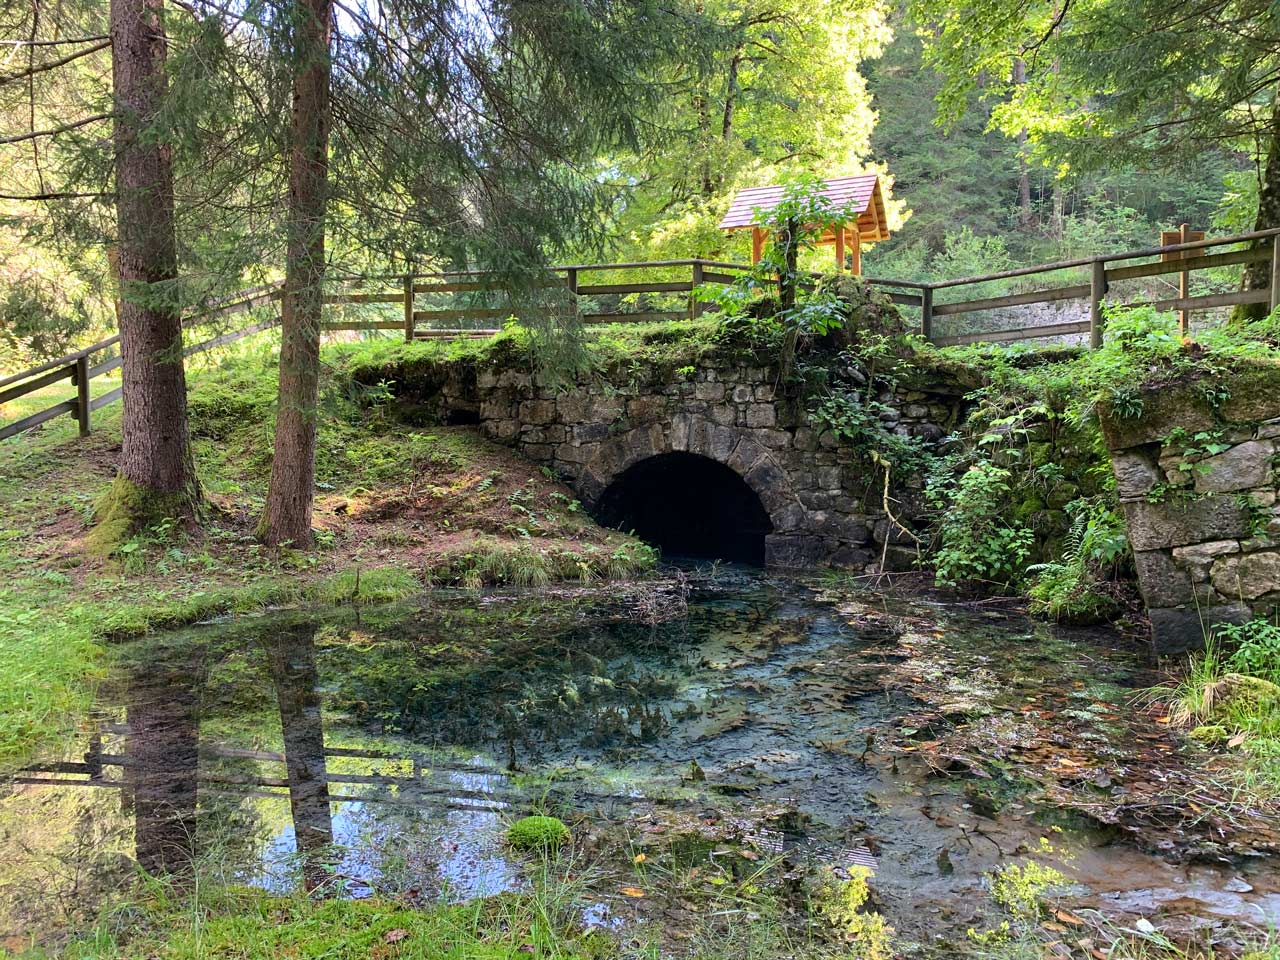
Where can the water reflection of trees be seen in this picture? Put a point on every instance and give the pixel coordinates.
(292, 657)
(187, 804)
(457, 673)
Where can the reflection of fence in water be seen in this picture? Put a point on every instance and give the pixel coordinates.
(420, 784)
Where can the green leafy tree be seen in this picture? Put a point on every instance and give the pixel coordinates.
(1145, 83)
(776, 90)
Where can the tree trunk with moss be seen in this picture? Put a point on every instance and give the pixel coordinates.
(157, 477)
(287, 518)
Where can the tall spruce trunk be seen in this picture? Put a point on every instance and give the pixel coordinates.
(1258, 275)
(157, 477)
(287, 518)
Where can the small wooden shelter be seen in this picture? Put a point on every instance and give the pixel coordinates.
(861, 193)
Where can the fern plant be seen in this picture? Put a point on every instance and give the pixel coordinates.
(1072, 589)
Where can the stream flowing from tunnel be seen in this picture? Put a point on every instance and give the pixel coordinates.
(383, 751)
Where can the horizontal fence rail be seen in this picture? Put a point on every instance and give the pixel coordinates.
(663, 290)
(593, 298)
(1182, 259)
(77, 367)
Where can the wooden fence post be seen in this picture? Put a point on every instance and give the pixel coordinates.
(1184, 284)
(571, 281)
(408, 307)
(696, 306)
(1097, 290)
(1275, 272)
(926, 313)
(81, 378)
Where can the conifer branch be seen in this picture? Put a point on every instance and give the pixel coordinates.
(54, 64)
(54, 131)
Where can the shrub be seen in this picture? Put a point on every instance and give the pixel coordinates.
(1071, 589)
(842, 903)
(979, 541)
(1255, 648)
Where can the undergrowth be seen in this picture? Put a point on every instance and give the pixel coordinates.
(1229, 699)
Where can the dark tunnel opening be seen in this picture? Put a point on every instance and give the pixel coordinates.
(689, 506)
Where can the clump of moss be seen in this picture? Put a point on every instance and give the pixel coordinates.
(537, 834)
(1236, 694)
(1210, 733)
(125, 508)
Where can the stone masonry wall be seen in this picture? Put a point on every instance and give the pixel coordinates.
(824, 502)
(1198, 486)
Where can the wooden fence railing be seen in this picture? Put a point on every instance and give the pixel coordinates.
(1104, 271)
(80, 369)
(671, 282)
(596, 302)
(665, 290)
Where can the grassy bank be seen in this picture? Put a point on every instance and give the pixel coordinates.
(398, 508)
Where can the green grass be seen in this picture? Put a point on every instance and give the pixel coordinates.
(488, 561)
(48, 662)
(1234, 712)
(248, 924)
(638, 351)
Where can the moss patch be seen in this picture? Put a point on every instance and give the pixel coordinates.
(545, 834)
(125, 508)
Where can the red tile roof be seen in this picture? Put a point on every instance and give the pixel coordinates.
(860, 192)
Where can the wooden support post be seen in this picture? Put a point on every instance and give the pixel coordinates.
(81, 378)
(408, 307)
(1184, 285)
(757, 244)
(839, 232)
(855, 248)
(1097, 290)
(1275, 272)
(926, 313)
(696, 306)
(571, 281)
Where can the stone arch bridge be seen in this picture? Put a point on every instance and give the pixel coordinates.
(715, 464)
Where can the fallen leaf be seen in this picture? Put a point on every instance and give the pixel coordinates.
(1070, 918)
(395, 936)
(631, 892)
(1054, 927)
(639, 858)
(1235, 741)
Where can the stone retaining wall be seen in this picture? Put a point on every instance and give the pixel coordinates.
(823, 499)
(1198, 488)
